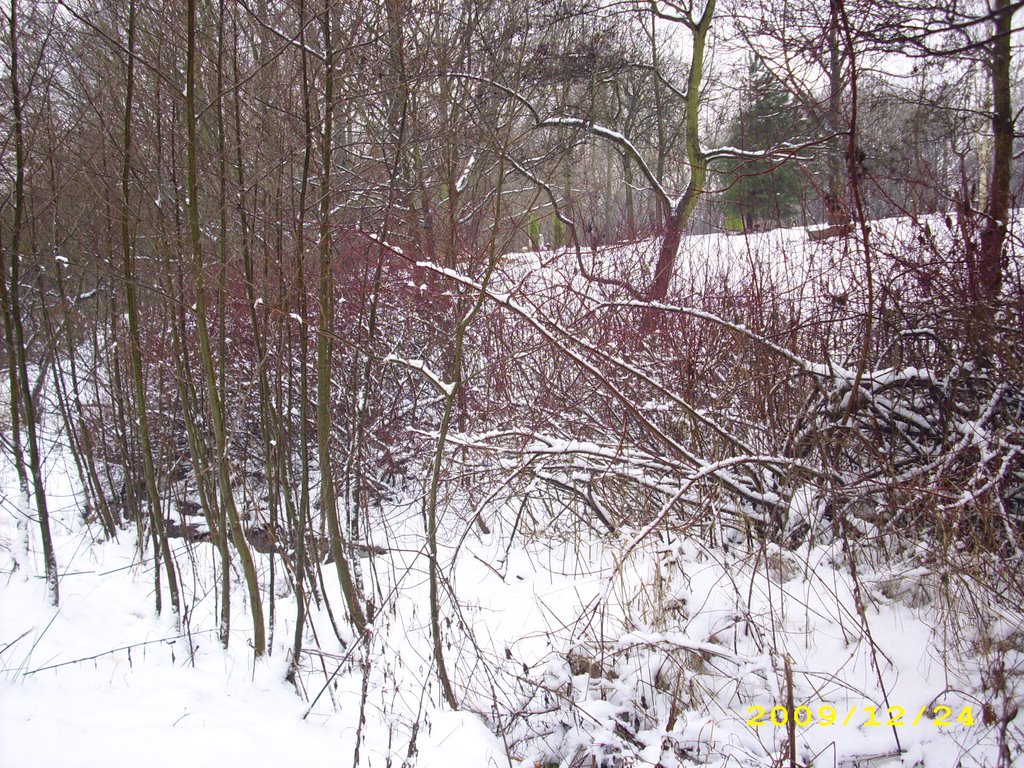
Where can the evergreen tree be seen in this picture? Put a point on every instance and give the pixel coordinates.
(764, 192)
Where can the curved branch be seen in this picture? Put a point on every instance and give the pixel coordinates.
(594, 129)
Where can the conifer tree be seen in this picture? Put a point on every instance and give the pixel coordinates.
(763, 192)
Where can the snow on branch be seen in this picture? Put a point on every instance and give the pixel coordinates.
(445, 388)
(564, 341)
(785, 151)
(552, 197)
(595, 129)
(616, 138)
(682, 641)
(804, 364)
(460, 185)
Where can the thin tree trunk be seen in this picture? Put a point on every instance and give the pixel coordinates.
(222, 458)
(190, 403)
(301, 515)
(77, 425)
(836, 209)
(324, 346)
(134, 335)
(993, 236)
(659, 111)
(627, 175)
(12, 373)
(268, 420)
(24, 389)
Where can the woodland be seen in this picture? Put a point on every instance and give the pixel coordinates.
(593, 372)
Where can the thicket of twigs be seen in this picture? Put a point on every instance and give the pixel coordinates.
(262, 277)
(780, 408)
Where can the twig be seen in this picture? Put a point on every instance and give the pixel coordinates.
(112, 650)
(13, 642)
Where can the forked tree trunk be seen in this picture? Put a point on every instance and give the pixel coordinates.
(680, 211)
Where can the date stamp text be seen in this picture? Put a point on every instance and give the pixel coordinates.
(940, 716)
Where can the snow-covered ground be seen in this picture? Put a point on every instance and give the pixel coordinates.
(103, 681)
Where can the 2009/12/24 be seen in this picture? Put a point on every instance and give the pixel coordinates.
(942, 716)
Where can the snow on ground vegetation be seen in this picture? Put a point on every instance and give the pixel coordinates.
(723, 597)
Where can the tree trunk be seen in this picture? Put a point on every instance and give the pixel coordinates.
(13, 310)
(836, 210)
(324, 348)
(222, 457)
(134, 334)
(666, 258)
(990, 256)
(682, 209)
(627, 175)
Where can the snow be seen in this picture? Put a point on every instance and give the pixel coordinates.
(102, 680)
(460, 739)
(165, 714)
(444, 387)
(463, 180)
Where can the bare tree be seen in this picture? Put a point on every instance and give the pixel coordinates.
(22, 391)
